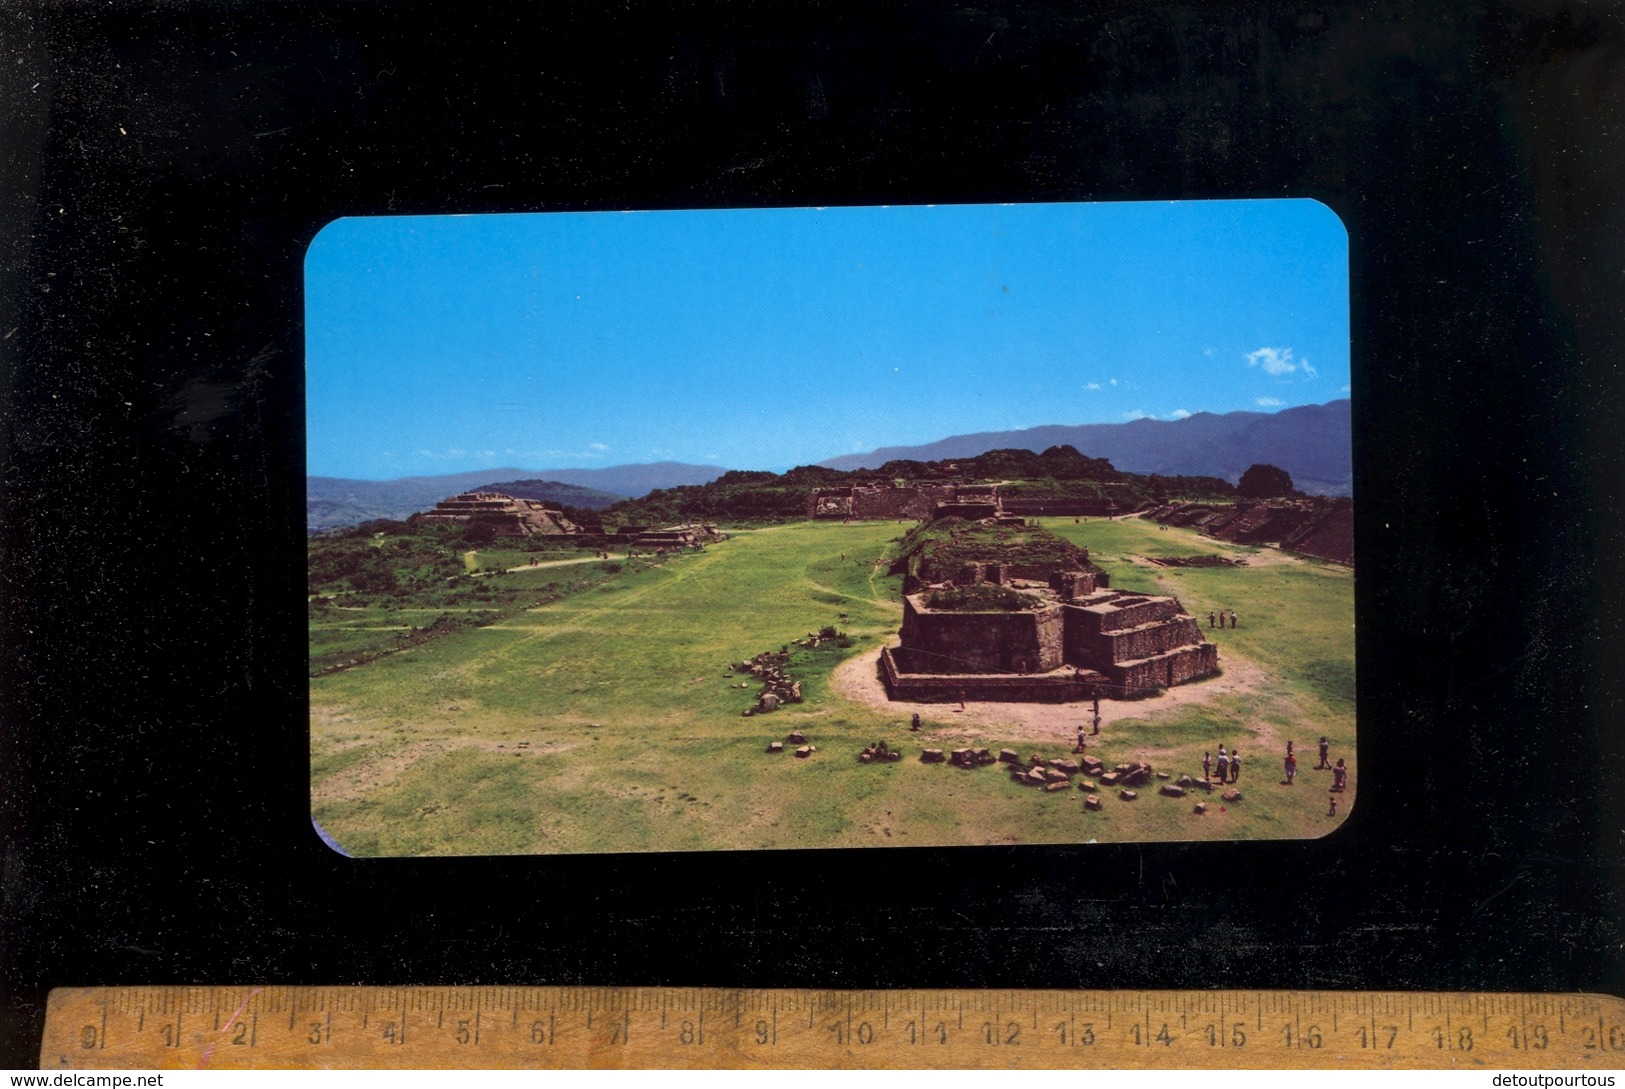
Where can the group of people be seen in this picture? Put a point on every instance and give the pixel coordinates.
(1339, 770)
(1229, 766)
(1219, 618)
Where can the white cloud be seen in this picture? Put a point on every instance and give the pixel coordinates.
(1279, 361)
(1114, 381)
(600, 447)
(1269, 402)
(1092, 385)
(1138, 414)
(1345, 389)
(1178, 414)
(1209, 352)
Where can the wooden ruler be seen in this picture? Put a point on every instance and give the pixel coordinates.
(599, 1027)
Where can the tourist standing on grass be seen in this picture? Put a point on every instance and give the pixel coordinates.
(1232, 618)
(1331, 810)
(1235, 766)
(1224, 765)
(1291, 767)
(1210, 619)
(1097, 722)
(1324, 749)
(1207, 764)
(914, 724)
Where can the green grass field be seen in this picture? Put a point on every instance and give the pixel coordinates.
(604, 719)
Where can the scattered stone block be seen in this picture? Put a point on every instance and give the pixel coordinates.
(1186, 781)
(960, 758)
(796, 738)
(1008, 756)
(1035, 760)
(1086, 786)
(982, 756)
(804, 752)
(1162, 775)
(1110, 779)
(1092, 766)
(1127, 795)
(1058, 784)
(1201, 807)
(1231, 795)
(775, 746)
(1169, 790)
(931, 756)
(1092, 802)
(1056, 775)
(1069, 767)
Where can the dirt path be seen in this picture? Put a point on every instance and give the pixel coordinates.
(555, 563)
(859, 680)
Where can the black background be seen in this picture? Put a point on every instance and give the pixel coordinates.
(165, 165)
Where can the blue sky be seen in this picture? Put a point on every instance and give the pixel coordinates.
(763, 339)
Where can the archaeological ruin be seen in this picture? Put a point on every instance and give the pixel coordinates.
(507, 516)
(1316, 526)
(687, 535)
(871, 502)
(1040, 632)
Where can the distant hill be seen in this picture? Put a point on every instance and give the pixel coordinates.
(1313, 443)
(332, 502)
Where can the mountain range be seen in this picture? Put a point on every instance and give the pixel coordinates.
(1312, 442)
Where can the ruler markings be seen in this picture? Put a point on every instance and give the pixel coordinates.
(100, 1027)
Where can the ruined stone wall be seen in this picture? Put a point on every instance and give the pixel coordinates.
(1060, 507)
(1030, 641)
(1166, 670)
(869, 502)
(1116, 617)
(903, 683)
(1099, 638)
(1032, 572)
(915, 501)
(1328, 537)
(1124, 646)
(830, 504)
(1069, 585)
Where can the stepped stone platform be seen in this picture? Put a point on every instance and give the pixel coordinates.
(506, 515)
(1075, 643)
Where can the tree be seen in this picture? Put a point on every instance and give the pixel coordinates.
(1264, 482)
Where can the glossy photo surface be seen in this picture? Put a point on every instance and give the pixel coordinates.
(830, 527)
